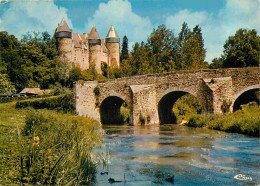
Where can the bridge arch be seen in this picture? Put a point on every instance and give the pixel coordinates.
(245, 96)
(166, 103)
(110, 110)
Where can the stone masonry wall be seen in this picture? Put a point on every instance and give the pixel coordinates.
(143, 107)
(113, 54)
(65, 49)
(95, 57)
(192, 82)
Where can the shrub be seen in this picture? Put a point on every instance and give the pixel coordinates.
(225, 106)
(245, 121)
(63, 103)
(186, 107)
(96, 91)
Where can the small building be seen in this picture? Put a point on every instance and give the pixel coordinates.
(35, 91)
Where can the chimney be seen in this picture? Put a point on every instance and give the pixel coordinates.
(84, 34)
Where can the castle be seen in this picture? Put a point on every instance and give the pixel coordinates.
(88, 51)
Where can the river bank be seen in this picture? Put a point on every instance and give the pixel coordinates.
(46, 147)
(244, 121)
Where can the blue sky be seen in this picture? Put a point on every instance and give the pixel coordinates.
(134, 18)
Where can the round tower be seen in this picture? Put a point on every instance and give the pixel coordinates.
(112, 44)
(94, 50)
(64, 40)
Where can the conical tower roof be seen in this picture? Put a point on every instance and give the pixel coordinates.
(93, 33)
(112, 33)
(63, 26)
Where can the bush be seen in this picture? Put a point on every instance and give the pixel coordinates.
(245, 121)
(96, 91)
(10, 99)
(63, 103)
(186, 107)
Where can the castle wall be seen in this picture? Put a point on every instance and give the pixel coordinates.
(104, 57)
(113, 54)
(95, 57)
(81, 58)
(65, 46)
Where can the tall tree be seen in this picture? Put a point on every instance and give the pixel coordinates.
(182, 38)
(243, 49)
(163, 46)
(124, 50)
(192, 51)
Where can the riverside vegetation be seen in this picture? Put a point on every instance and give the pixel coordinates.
(244, 121)
(46, 147)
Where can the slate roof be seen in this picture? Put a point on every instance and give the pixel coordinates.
(93, 33)
(78, 39)
(63, 26)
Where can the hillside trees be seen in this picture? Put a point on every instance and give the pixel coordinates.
(30, 63)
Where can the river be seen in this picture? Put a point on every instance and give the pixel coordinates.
(152, 155)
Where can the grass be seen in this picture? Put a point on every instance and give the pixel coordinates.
(46, 147)
(245, 121)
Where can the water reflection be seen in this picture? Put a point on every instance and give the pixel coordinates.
(148, 155)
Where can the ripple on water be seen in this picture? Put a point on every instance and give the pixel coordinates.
(149, 155)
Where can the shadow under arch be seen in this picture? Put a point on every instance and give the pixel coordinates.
(249, 95)
(110, 110)
(165, 106)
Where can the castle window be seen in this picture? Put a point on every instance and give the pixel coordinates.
(75, 58)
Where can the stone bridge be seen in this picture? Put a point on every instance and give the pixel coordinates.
(151, 97)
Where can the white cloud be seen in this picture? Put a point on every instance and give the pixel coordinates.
(119, 13)
(191, 18)
(38, 16)
(216, 28)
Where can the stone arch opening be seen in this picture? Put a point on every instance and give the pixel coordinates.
(246, 97)
(167, 102)
(111, 110)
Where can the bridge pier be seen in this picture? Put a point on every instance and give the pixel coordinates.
(217, 95)
(86, 100)
(143, 109)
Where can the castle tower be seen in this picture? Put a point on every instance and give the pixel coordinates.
(112, 44)
(94, 50)
(64, 38)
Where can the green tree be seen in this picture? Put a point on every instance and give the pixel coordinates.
(243, 49)
(163, 46)
(217, 63)
(74, 75)
(124, 51)
(5, 85)
(192, 50)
